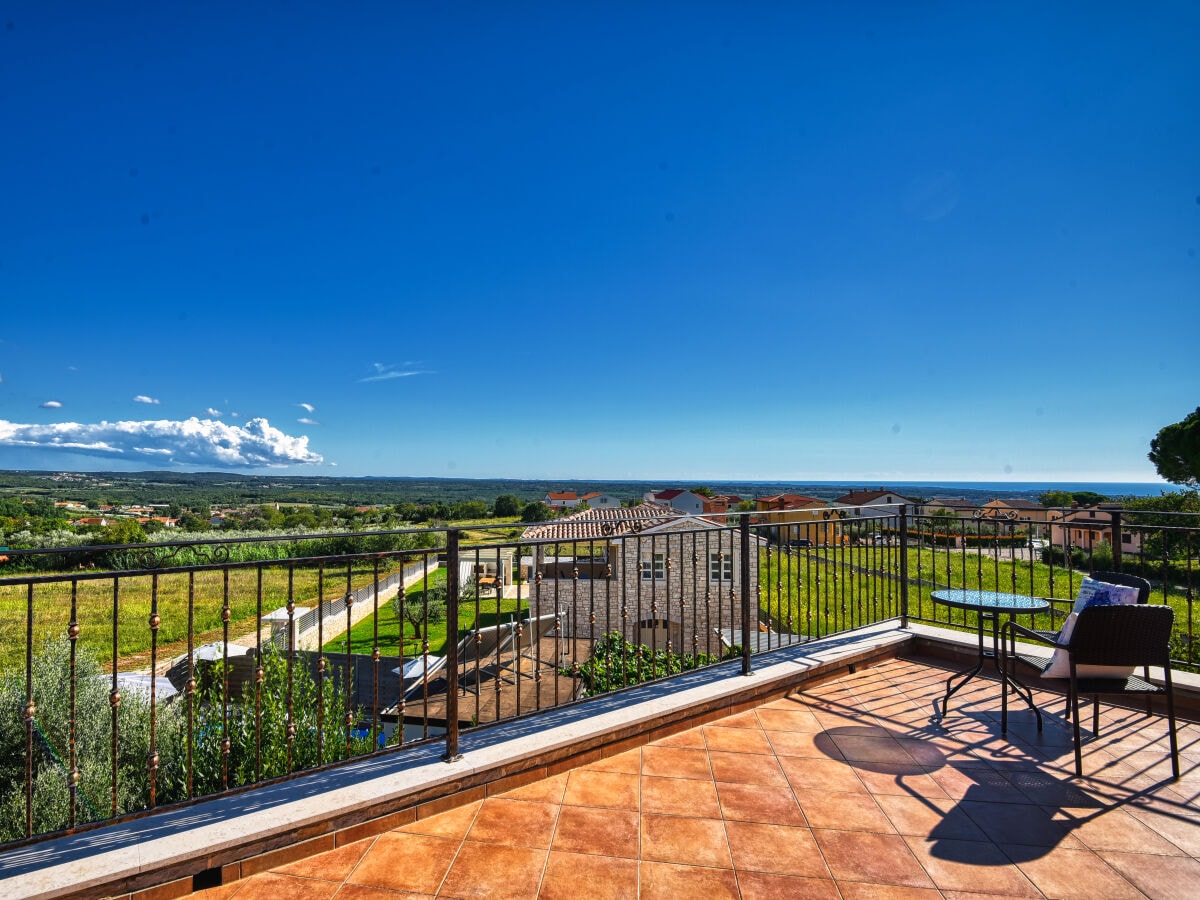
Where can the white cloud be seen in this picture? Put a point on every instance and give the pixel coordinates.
(307, 421)
(383, 372)
(193, 442)
(142, 398)
(307, 407)
(51, 404)
(213, 413)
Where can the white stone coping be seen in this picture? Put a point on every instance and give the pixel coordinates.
(86, 862)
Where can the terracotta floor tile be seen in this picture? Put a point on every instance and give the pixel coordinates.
(1115, 829)
(570, 876)
(976, 783)
(737, 740)
(332, 865)
(617, 790)
(843, 811)
(746, 719)
(809, 744)
(751, 803)
(723, 809)
(970, 866)
(762, 886)
(1158, 877)
(675, 762)
(495, 872)
(666, 881)
(1174, 824)
(929, 817)
(544, 790)
(1010, 823)
(603, 832)
(1077, 875)
(680, 797)
(820, 775)
(363, 892)
(791, 717)
(406, 862)
(860, 723)
(629, 762)
(520, 823)
(937, 752)
(747, 768)
(689, 842)
(453, 823)
(692, 739)
(777, 849)
(272, 886)
(1046, 789)
(856, 890)
(872, 749)
(903, 781)
(878, 858)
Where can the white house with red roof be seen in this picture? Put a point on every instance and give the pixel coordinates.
(874, 502)
(677, 498)
(592, 499)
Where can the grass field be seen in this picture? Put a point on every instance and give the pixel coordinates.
(822, 590)
(363, 636)
(51, 602)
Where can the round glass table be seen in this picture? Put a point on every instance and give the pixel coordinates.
(988, 606)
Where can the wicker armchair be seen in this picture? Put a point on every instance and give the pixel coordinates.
(1040, 661)
(1130, 636)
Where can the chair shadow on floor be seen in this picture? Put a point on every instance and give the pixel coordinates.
(999, 790)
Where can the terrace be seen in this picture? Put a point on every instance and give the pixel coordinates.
(813, 762)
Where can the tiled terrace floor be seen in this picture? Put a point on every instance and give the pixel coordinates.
(850, 789)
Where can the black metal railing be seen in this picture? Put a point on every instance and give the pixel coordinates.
(133, 677)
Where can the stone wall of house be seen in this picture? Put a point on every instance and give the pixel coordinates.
(677, 584)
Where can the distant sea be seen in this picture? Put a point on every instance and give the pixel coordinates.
(971, 490)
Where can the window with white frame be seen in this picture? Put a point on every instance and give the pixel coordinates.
(720, 566)
(654, 567)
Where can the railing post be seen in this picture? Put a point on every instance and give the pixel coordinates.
(903, 567)
(1115, 511)
(745, 574)
(452, 753)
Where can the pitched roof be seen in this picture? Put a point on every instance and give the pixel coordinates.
(790, 501)
(590, 524)
(865, 497)
(562, 495)
(669, 494)
(949, 503)
(1017, 503)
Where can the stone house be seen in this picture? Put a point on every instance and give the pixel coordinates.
(659, 577)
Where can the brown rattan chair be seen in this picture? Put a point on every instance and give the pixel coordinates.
(1040, 661)
(1127, 636)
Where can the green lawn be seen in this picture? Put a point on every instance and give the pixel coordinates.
(363, 635)
(823, 590)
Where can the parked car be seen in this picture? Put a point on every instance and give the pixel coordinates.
(1037, 545)
(802, 542)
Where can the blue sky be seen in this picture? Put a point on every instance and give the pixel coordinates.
(681, 241)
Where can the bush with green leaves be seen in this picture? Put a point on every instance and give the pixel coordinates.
(616, 663)
(257, 727)
(255, 722)
(51, 744)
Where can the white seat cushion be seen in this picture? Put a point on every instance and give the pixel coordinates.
(1091, 593)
